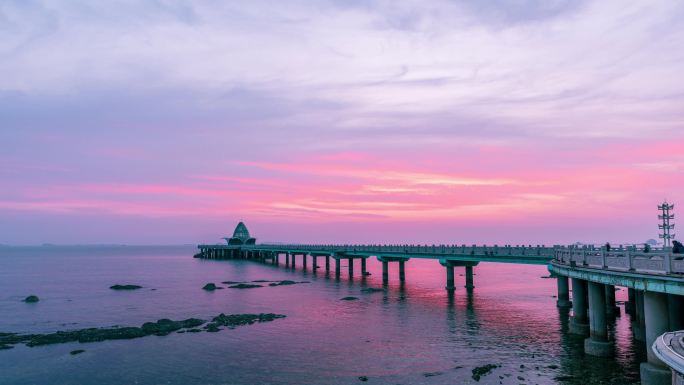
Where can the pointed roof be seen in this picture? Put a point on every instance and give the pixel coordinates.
(241, 232)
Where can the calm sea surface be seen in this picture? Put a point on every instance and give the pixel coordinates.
(413, 334)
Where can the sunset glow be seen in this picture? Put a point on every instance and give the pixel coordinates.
(412, 122)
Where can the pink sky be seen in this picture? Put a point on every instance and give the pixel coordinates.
(425, 122)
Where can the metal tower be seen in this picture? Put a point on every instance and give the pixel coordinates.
(666, 227)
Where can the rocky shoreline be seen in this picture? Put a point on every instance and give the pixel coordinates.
(161, 327)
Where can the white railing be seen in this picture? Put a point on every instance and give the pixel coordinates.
(658, 261)
(434, 250)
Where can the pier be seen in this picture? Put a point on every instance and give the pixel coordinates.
(586, 279)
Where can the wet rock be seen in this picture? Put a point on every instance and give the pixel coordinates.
(165, 326)
(552, 366)
(75, 352)
(244, 319)
(4, 347)
(367, 273)
(209, 287)
(432, 374)
(161, 328)
(363, 378)
(263, 281)
(125, 287)
(348, 299)
(31, 299)
(244, 286)
(285, 283)
(483, 371)
(372, 290)
(212, 328)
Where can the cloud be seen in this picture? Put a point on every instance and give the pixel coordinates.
(347, 110)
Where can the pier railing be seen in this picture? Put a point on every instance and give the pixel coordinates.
(505, 250)
(660, 261)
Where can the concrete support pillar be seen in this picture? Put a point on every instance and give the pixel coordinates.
(327, 263)
(314, 260)
(675, 308)
(639, 322)
(350, 263)
(276, 259)
(402, 271)
(469, 278)
(597, 344)
(563, 292)
(630, 305)
(337, 268)
(450, 278)
(385, 272)
(579, 322)
(654, 371)
(363, 267)
(304, 261)
(287, 259)
(611, 308)
(293, 259)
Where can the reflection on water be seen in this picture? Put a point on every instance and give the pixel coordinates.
(413, 333)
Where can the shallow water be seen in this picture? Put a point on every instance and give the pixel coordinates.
(415, 334)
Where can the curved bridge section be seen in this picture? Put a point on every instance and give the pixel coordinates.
(655, 283)
(658, 271)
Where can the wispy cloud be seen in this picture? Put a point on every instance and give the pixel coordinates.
(355, 112)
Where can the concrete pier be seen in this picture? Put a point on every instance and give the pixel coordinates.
(327, 263)
(350, 264)
(563, 292)
(314, 262)
(638, 323)
(579, 321)
(385, 272)
(338, 268)
(630, 305)
(304, 261)
(675, 307)
(611, 309)
(287, 259)
(363, 267)
(469, 278)
(598, 344)
(385, 268)
(654, 371)
(450, 285)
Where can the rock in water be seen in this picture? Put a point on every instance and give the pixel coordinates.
(372, 290)
(75, 352)
(348, 299)
(125, 287)
(161, 328)
(285, 283)
(483, 371)
(209, 287)
(244, 286)
(31, 299)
